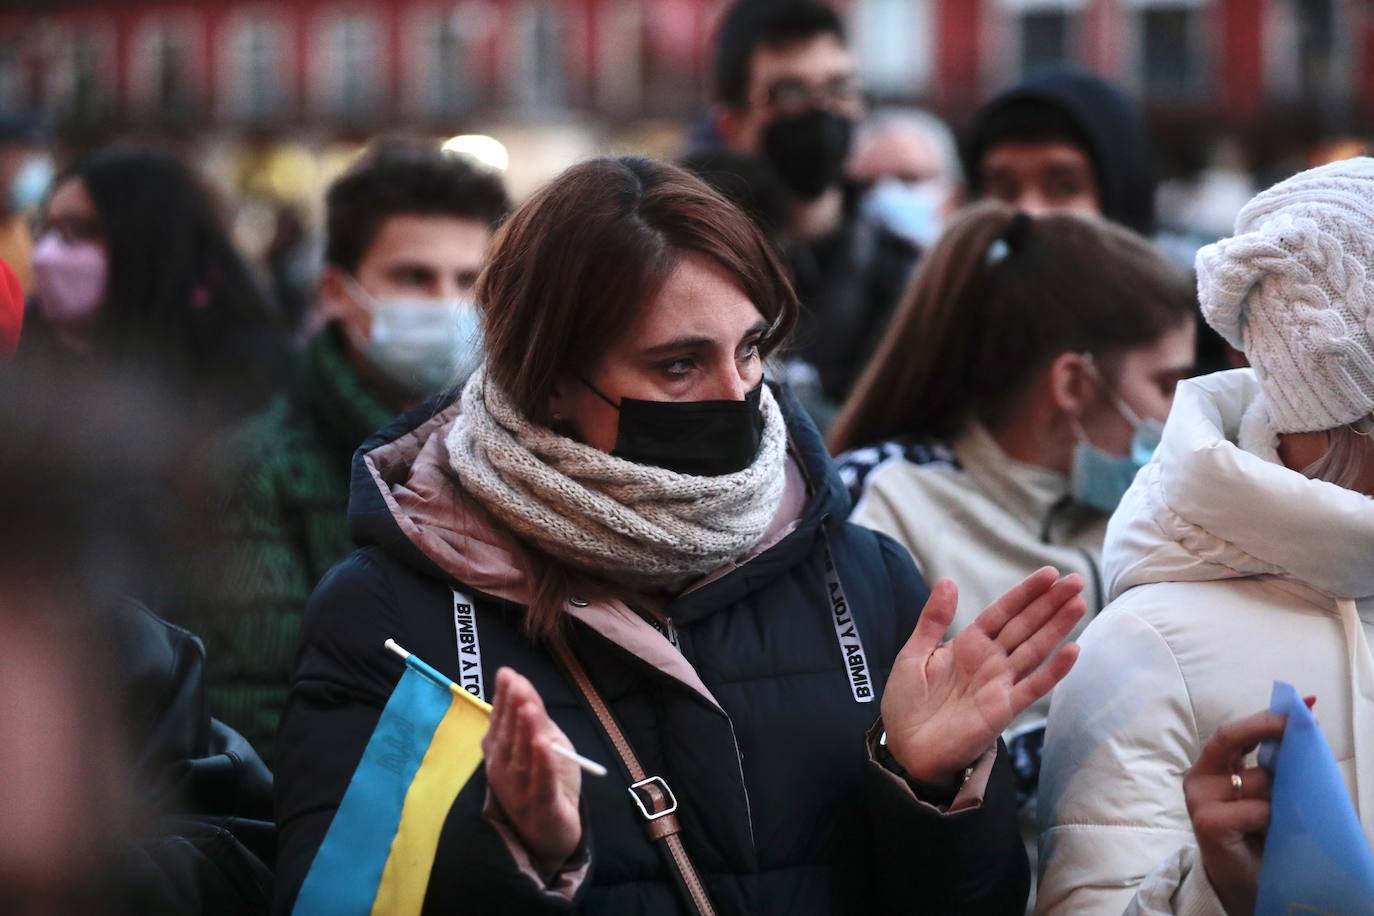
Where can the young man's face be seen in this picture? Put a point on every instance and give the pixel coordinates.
(416, 257)
(788, 79)
(1041, 177)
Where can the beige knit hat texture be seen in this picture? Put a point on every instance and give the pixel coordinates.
(1294, 290)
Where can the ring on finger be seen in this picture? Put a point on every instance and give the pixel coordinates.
(1237, 786)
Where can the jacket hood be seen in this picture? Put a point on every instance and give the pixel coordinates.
(404, 499)
(1216, 503)
(1111, 124)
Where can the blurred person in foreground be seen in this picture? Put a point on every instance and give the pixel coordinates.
(26, 174)
(407, 233)
(11, 312)
(1020, 387)
(786, 89)
(619, 506)
(135, 271)
(1064, 140)
(1240, 556)
(120, 794)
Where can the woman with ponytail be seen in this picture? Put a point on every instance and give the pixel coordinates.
(1020, 386)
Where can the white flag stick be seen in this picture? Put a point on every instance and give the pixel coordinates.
(591, 766)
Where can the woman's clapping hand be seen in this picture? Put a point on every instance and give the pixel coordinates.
(945, 704)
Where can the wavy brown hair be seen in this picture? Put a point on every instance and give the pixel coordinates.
(575, 263)
(996, 299)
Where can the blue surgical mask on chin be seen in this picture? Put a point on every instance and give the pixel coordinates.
(423, 345)
(1099, 479)
(910, 210)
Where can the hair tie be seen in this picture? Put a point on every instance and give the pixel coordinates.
(1012, 239)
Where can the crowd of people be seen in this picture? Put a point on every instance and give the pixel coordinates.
(893, 499)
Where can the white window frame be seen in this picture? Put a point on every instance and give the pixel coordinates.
(99, 35)
(189, 29)
(895, 44)
(15, 48)
(523, 61)
(1203, 39)
(619, 75)
(1003, 51)
(474, 21)
(1282, 53)
(328, 73)
(233, 98)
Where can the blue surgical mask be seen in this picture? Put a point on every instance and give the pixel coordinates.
(1099, 479)
(908, 209)
(423, 345)
(30, 184)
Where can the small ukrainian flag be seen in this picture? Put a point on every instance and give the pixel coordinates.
(378, 852)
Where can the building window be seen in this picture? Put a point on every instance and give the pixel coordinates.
(1168, 52)
(537, 66)
(892, 41)
(12, 83)
(162, 64)
(1046, 37)
(442, 63)
(349, 66)
(668, 49)
(255, 89)
(619, 62)
(83, 74)
(1318, 50)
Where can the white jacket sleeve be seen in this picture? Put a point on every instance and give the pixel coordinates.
(1121, 735)
(1178, 887)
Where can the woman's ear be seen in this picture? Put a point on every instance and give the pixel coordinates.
(339, 303)
(1071, 383)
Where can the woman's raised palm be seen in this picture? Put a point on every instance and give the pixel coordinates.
(945, 704)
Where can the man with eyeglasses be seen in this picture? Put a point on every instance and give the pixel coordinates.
(786, 91)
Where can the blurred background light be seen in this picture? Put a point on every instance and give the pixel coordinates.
(487, 151)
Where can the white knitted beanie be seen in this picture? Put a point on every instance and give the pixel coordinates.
(1294, 289)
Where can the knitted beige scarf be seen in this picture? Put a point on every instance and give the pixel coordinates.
(643, 526)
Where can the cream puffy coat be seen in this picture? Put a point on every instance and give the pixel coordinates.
(1227, 571)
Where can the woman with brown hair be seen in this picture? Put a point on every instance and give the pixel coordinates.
(1021, 385)
(619, 508)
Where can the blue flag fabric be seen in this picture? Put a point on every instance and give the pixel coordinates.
(1316, 860)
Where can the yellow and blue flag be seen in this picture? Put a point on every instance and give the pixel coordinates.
(379, 850)
(1316, 859)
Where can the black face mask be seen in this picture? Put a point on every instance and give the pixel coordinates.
(702, 438)
(808, 150)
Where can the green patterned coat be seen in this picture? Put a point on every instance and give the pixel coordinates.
(285, 523)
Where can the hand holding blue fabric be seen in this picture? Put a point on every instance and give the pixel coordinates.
(1316, 858)
(1229, 808)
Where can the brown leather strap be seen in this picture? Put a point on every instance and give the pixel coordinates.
(664, 830)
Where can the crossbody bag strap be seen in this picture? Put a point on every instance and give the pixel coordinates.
(651, 794)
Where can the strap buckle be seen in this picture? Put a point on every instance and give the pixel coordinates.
(648, 784)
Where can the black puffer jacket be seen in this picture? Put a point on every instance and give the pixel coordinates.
(754, 725)
(204, 841)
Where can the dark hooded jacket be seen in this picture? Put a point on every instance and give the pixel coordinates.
(204, 842)
(1108, 122)
(751, 719)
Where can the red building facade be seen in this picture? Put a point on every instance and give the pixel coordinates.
(370, 65)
